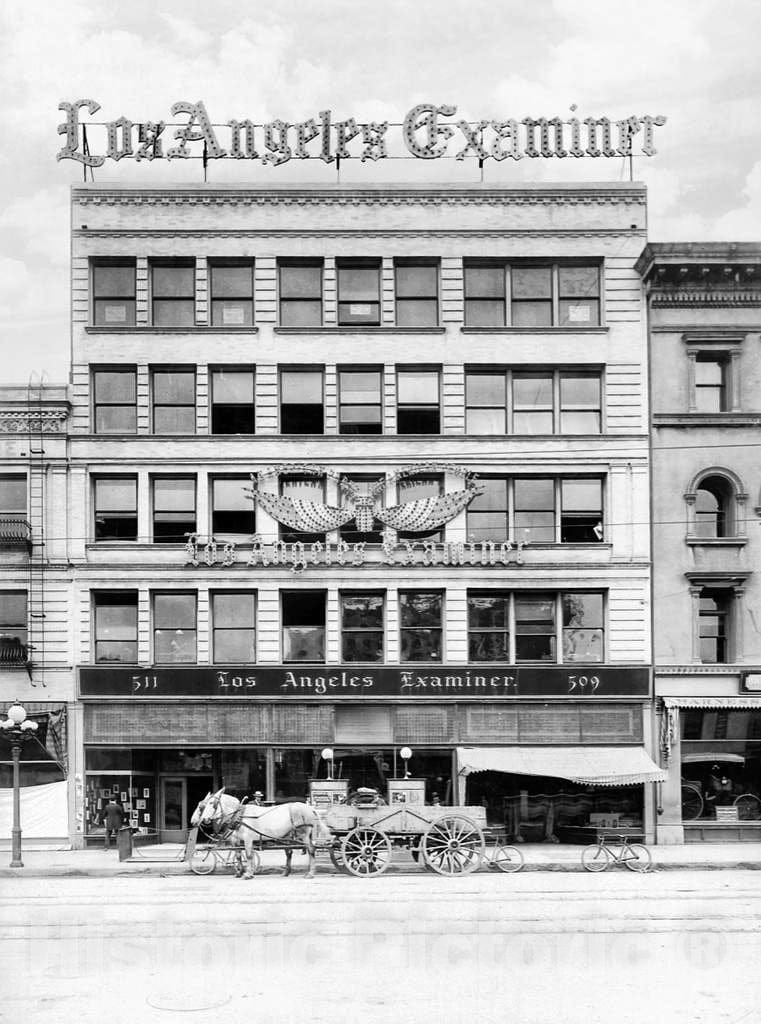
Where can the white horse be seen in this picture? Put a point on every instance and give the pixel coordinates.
(297, 823)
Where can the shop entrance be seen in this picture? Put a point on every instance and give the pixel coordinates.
(179, 797)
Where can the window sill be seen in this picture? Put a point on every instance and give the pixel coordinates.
(357, 329)
(716, 542)
(707, 419)
(150, 329)
(594, 329)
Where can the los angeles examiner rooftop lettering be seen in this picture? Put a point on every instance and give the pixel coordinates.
(427, 133)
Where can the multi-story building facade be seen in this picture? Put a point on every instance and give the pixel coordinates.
(35, 641)
(358, 469)
(704, 301)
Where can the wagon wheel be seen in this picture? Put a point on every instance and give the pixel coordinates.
(692, 802)
(366, 851)
(203, 860)
(453, 845)
(748, 807)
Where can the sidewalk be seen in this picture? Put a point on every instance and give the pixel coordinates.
(166, 860)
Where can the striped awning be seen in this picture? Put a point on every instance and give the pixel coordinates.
(594, 766)
(743, 703)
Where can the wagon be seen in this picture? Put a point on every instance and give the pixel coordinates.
(447, 840)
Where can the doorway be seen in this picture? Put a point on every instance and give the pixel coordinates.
(179, 797)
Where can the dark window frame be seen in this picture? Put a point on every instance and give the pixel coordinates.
(564, 518)
(350, 428)
(184, 634)
(217, 529)
(419, 298)
(317, 596)
(288, 302)
(410, 631)
(418, 413)
(289, 414)
(347, 318)
(245, 299)
(158, 406)
(191, 526)
(236, 414)
(114, 598)
(360, 632)
(559, 409)
(128, 300)
(127, 516)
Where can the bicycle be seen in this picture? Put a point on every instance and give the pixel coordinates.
(499, 855)
(600, 855)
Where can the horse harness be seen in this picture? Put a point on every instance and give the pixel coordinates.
(236, 821)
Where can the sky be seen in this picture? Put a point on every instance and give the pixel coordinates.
(693, 61)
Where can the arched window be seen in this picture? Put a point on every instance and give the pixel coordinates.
(714, 508)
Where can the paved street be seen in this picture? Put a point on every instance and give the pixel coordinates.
(534, 947)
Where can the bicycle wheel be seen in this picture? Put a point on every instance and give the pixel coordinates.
(748, 807)
(203, 861)
(637, 857)
(692, 803)
(507, 858)
(595, 858)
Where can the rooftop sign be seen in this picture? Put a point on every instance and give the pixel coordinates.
(428, 132)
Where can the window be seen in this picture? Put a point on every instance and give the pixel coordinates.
(421, 625)
(174, 509)
(417, 391)
(362, 627)
(174, 628)
(498, 294)
(417, 293)
(710, 383)
(173, 293)
(302, 487)
(535, 509)
(581, 511)
(358, 293)
(359, 402)
(303, 614)
(231, 285)
(13, 627)
(301, 402)
(416, 488)
(583, 627)
(174, 401)
(113, 292)
(529, 620)
(713, 625)
(232, 401)
(232, 508)
(115, 619)
(487, 513)
(713, 508)
(233, 619)
(533, 401)
(363, 485)
(545, 510)
(13, 509)
(300, 293)
(115, 401)
(489, 627)
(115, 499)
(535, 629)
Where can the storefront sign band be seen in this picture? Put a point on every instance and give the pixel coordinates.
(322, 682)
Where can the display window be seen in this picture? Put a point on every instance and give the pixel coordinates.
(721, 765)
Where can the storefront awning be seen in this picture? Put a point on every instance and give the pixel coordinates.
(598, 766)
(728, 703)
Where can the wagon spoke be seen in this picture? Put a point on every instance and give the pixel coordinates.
(453, 845)
(366, 851)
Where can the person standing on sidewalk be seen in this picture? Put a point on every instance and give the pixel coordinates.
(113, 819)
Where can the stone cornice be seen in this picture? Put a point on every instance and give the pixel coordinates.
(47, 421)
(703, 297)
(381, 195)
(698, 669)
(360, 233)
(704, 419)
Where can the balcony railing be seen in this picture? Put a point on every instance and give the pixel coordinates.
(15, 532)
(13, 654)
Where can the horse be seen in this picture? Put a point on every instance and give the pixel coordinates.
(249, 823)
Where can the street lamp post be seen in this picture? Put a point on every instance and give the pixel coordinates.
(18, 729)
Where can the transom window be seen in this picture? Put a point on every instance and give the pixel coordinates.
(232, 508)
(113, 291)
(300, 293)
(174, 509)
(421, 622)
(231, 285)
(530, 626)
(499, 294)
(233, 620)
(533, 402)
(360, 401)
(173, 293)
(538, 510)
(232, 401)
(358, 292)
(115, 500)
(174, 628)
(303, 617)
(417, 293)
(115, 627)
(301, 402)
(174, 401)
(115, 400)
(362, 627)
(418, 401)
